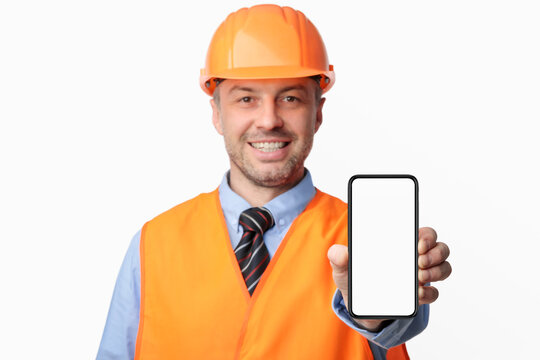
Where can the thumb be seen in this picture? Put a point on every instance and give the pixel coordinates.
(339, 260)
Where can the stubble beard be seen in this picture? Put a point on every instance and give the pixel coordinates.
(279, 177)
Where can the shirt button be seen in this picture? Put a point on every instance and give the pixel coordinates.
(281, 222)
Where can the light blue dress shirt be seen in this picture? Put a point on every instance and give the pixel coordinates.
(120, 334)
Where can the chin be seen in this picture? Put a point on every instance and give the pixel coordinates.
(275, 178)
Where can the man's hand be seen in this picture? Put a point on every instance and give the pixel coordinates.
(432, 266)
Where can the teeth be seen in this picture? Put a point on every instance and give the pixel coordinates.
(268, 146)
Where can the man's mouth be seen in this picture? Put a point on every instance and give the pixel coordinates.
(269, 146)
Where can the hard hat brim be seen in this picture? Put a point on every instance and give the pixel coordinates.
(265, 72)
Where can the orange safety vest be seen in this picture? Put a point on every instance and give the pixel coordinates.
(195, 305)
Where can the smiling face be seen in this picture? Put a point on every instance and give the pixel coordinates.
(268, 127)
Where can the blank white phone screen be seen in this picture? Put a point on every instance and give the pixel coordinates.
(383, 234)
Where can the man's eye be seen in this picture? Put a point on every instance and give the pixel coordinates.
(246, 99)
(290, 98)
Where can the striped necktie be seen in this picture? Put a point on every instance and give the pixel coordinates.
(251, 252)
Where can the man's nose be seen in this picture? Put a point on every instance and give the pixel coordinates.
(269, 117)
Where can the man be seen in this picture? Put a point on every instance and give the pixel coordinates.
(241, 272)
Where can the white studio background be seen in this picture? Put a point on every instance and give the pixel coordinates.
(103, 126)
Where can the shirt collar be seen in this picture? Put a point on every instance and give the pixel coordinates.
(284, 208)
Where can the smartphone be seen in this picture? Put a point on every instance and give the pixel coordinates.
(383, 246)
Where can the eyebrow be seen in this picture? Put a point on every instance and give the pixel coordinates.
(241, 88)
(294, 87)
(288, 88)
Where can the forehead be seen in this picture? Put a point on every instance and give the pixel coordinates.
(267, 85)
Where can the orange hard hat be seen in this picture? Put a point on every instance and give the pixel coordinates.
(266, 42)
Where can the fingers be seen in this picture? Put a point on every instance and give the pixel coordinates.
(435, 273)
(432, 264)
(435, 256)
(427, 238)
(427, 294)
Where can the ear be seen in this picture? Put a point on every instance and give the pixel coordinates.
(318, 119)
(216, 118)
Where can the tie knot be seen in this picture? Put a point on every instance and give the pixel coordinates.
(257, 219)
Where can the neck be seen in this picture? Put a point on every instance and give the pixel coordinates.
(258, 195)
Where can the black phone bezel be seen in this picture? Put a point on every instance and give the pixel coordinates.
(349, 235)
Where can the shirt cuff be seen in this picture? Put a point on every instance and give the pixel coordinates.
(396, 333)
